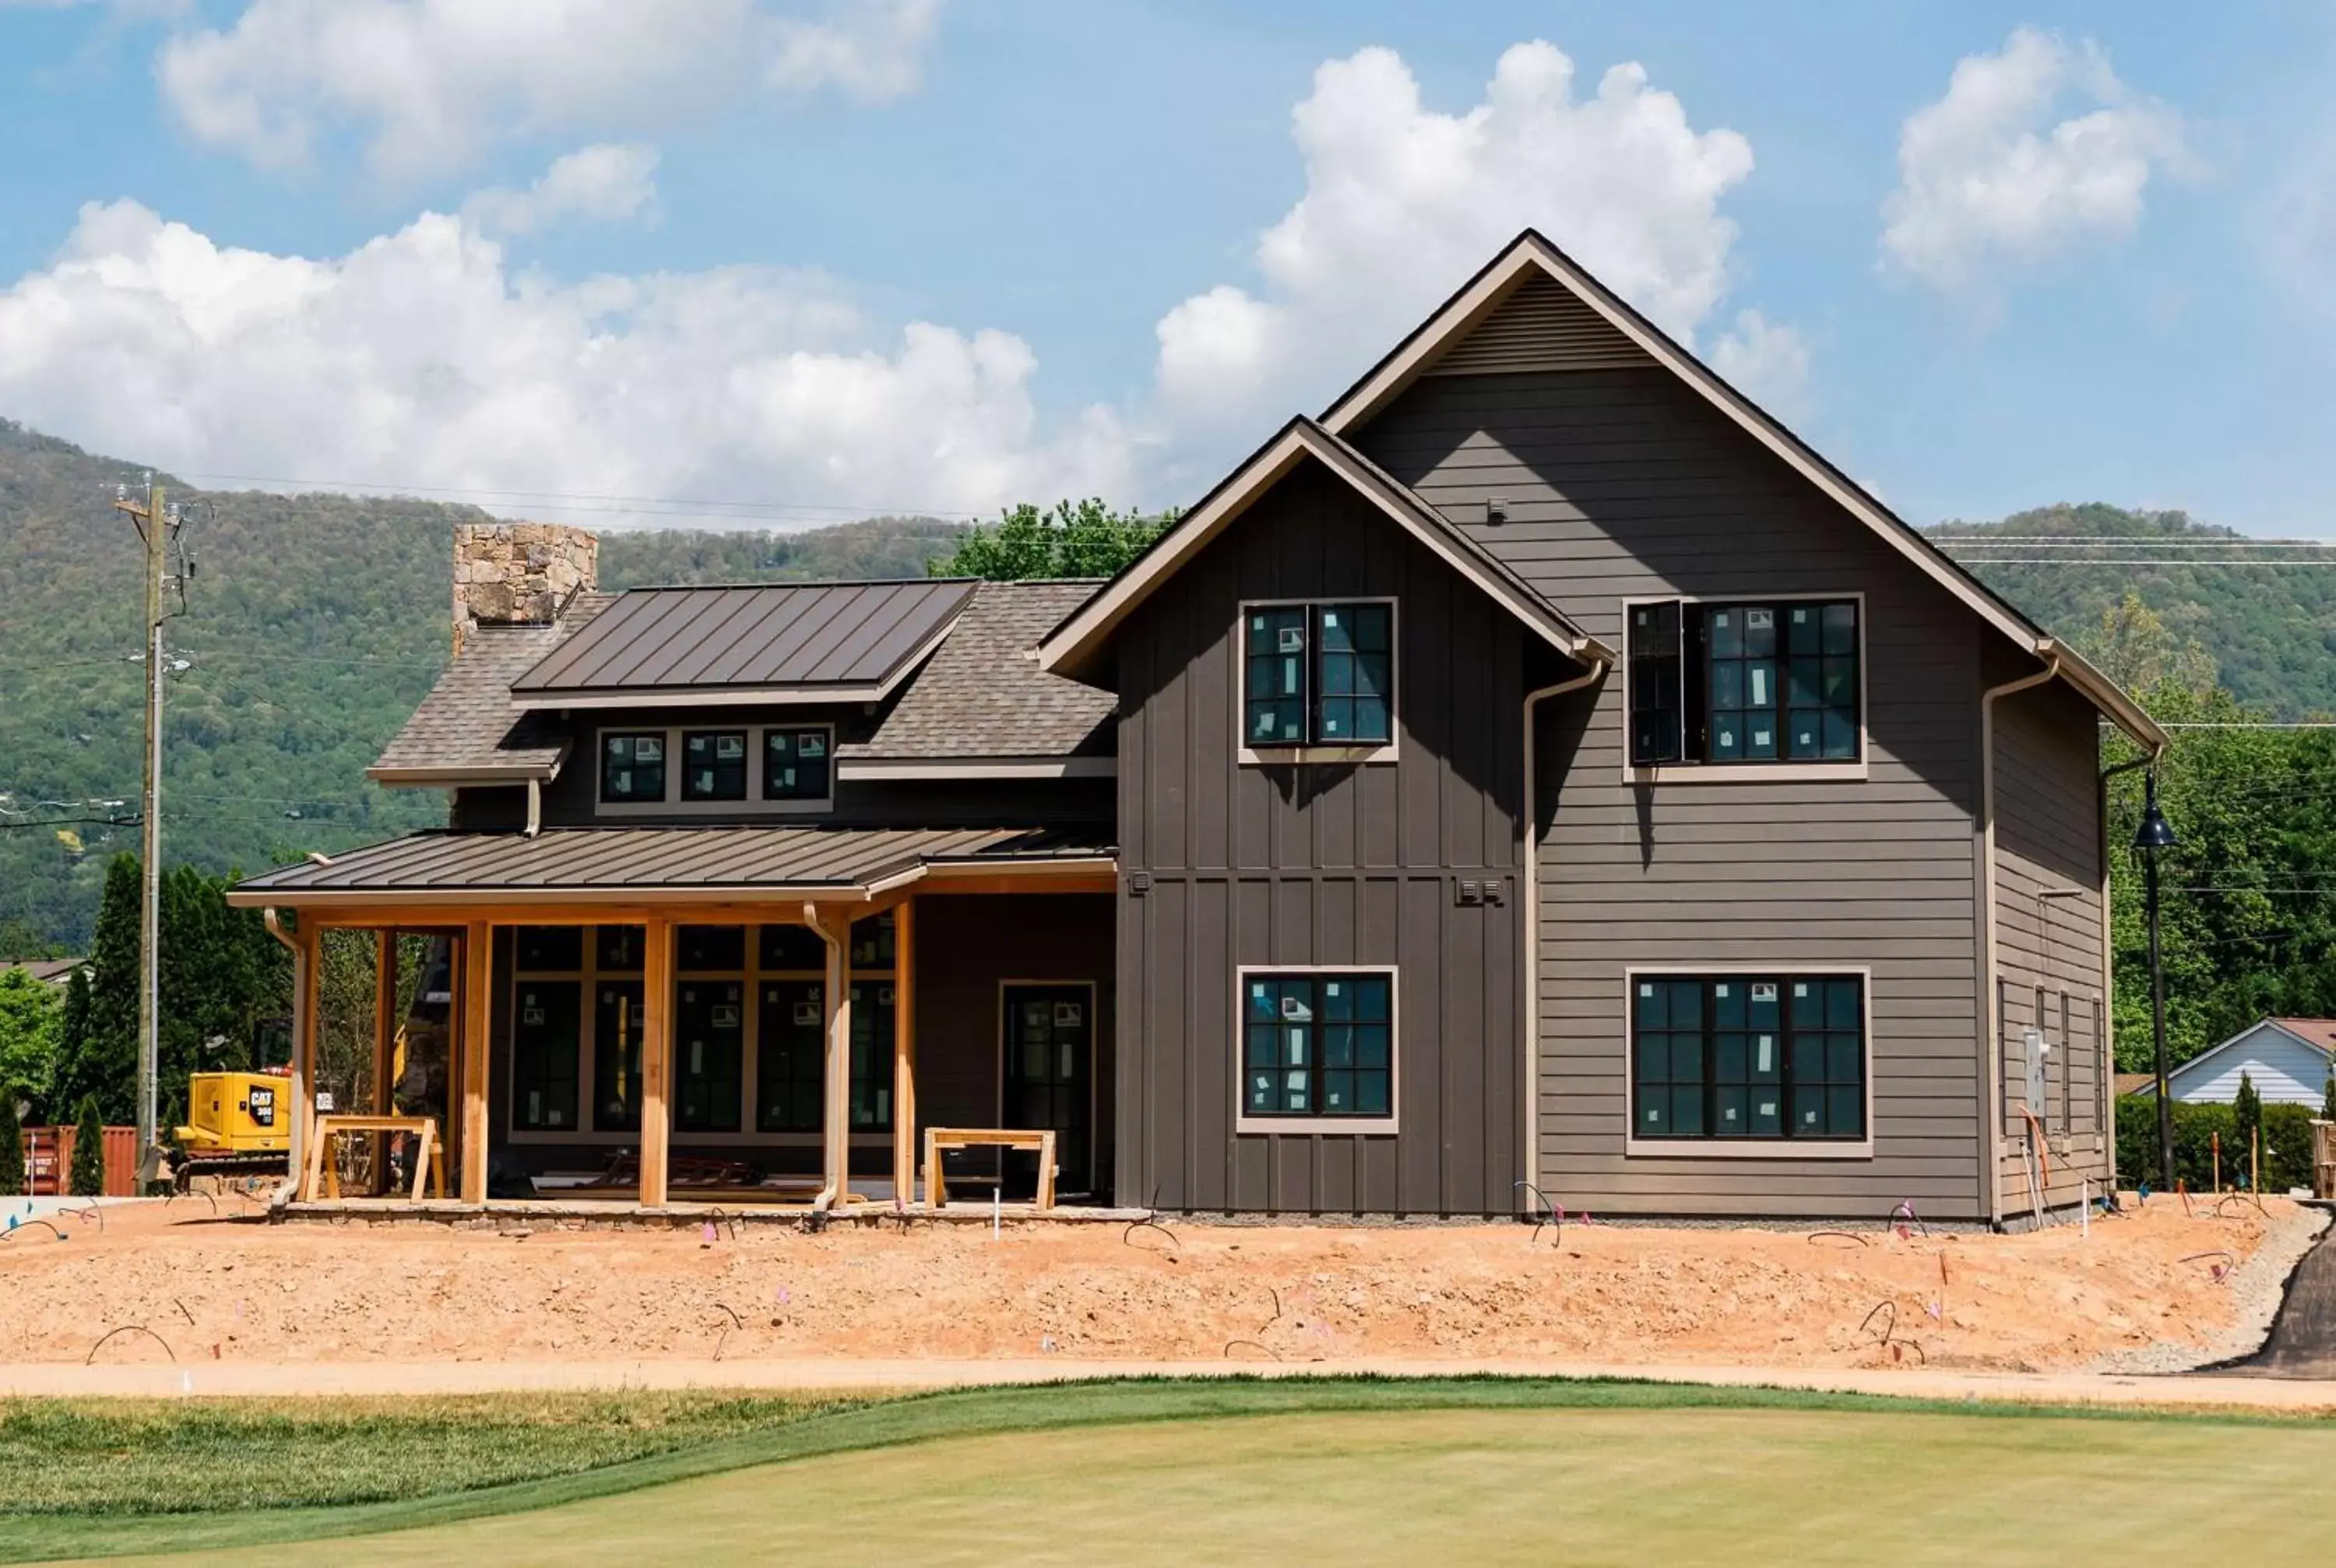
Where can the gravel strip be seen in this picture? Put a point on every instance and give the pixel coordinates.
(2258, 1285)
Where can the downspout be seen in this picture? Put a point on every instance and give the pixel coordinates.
(1992, 1012)
(296, 1156)
(1529, 949)
(534, 807)
(2108, 1128)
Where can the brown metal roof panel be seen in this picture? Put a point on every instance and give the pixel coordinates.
(792, 618)
(632, 642)
(849, 618)
(897, 628)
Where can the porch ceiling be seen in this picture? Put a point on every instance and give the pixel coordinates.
(679, 864)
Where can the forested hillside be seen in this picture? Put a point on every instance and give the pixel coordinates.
(2264, 614)
(313, 625)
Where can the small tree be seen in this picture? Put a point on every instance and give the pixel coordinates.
(2327, 1096)
(87, 1179)
(11, 1147)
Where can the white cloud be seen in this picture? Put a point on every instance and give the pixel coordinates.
(432, 83)
(1402, 203)
(1767, 363)
(422, 359)
(1989, 179)
(608, 182)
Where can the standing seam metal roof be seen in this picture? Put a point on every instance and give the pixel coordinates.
(659, 639)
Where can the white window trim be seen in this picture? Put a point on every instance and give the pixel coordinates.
(1291, 756)
(673, 805)
(750, 1053)
(1753, 772)
(1637, 1148)
(1318, 1126)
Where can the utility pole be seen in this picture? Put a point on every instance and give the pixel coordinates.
(155, 522)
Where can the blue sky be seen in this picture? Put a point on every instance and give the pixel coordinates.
(806, 260)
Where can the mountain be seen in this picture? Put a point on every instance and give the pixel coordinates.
(2269, 626)
(314, 624)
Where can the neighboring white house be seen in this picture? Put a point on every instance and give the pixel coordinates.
(2286, 1059)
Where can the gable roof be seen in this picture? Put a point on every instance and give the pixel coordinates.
(2313, 1034)
(465, 730)
(982, 698)
(1531, 257)
(767, 642)
(1071, 647)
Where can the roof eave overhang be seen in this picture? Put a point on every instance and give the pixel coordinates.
(909, 770)
(1072, 650)
(458, 778)
(1483, 293)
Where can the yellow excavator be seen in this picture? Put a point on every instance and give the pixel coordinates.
(238, 1125)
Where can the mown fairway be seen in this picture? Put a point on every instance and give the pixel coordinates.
(1620, 1475)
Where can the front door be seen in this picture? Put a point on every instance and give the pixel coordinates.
(1049, 1038)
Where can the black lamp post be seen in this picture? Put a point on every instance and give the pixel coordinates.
(2154, 834)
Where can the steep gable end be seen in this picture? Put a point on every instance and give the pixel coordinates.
(1541, 325)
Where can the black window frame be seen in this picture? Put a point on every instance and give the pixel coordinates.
(726, 774)
(630, 738)
(822, 767)
(1698, 674)
(1262, 1041)
(1710, 1090)
(1333, 680)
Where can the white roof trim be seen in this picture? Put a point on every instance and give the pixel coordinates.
(904, 770)
(1532, 252)
(1072, 642)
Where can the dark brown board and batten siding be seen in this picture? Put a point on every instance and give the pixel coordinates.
(1305, 865)
(1623, 483)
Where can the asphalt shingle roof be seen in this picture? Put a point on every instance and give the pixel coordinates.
(982, 694)
(467, 725)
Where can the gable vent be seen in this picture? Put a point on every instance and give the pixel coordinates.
(1541, 325)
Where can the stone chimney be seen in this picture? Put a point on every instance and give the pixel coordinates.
(519, 573)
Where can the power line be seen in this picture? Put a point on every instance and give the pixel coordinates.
(852, 511)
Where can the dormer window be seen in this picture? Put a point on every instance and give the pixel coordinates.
(632, 767)
(714, 764)
(713, 772)
(1722, 684)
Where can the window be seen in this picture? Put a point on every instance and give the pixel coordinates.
(570, 1009)
(714, 766)
(1317, 675)
(1745, 683)
(1318, 1045)
(790, 1064)
(632, 767)
(795, 765)
(1747, 1056)
(544, 1040)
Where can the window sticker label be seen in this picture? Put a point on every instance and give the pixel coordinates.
(697, 1057)
(1291, 641)
(1760, 674)
(807, 1012)
(729, 747)
(1759, 620)
(1067, 1014)
(648, 748)
(1766, 1061)
(726, 1017)
(811, 745)
(1295, 1009)
(1765, 991)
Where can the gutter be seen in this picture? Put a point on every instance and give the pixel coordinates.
(1991, 1012)
(1529, 950)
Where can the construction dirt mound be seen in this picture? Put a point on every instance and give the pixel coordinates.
(242, 1289)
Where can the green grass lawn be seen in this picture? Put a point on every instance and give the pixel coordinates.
(1359, 1471)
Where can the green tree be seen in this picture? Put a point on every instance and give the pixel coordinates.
(1086, 539)
(21, 942)
(87, 1177)
(2328, 1098)
(221, 974)
(73, 1036)
(29, 1015)
(2134, 647)
(12, 1148)
(2246, 1115)
(104, 1064)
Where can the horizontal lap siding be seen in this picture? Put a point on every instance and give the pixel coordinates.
(1303, 866)
(2048, 842)
(1623, 484)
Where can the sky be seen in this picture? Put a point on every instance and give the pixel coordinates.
(762, 262)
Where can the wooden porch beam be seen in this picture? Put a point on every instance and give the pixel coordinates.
(657, 1060)
(384, 1032)
(904, 1054)
(478, 1024)
(304, 1046)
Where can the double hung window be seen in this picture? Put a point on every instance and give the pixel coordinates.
(1317, 675)
(1755, 1056)
(1747, 682)
(1318, 1045)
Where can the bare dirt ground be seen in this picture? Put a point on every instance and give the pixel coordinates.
(229, 1291)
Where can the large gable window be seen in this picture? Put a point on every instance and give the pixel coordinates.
(1749, 1056)
(1317, 675)
(1745, 683)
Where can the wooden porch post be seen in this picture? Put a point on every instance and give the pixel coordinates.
(385, 1016)
(657, 1060)
(835, 1117)
(904, 1052)
(478, 1017)
(304, 1048)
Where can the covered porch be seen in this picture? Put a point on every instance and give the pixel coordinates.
(760, 1019)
